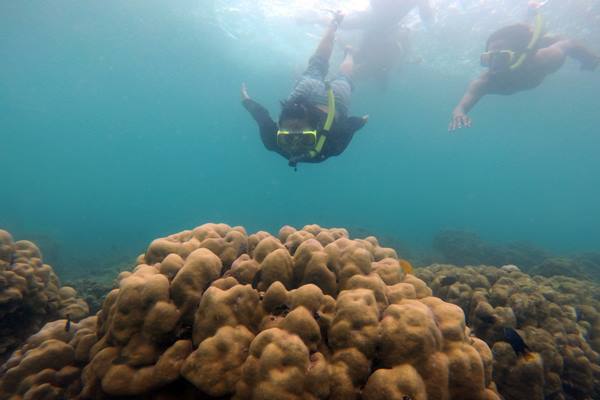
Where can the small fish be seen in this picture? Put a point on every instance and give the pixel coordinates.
(68, 323)
(406, 266)
(516, 341)
(449, 280)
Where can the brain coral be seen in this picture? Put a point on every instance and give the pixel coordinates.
(30, 293)
(216, 313)
(558, 317)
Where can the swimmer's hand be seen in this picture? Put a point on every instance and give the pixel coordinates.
(459, 120)
(244, 92)
(338, 17)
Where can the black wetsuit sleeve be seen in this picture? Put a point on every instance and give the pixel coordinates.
(341, 137)
(266, 125)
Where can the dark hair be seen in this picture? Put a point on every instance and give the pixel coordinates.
(516, 37)
(300, 108)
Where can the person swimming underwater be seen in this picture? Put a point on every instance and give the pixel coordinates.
(519, 57)
(383, 44)
(314, 123)
(383, 14)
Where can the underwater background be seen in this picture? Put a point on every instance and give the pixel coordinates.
(121, 122)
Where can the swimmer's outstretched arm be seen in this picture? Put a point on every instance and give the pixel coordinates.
(476, 90)
(267, 127)
(325, 47)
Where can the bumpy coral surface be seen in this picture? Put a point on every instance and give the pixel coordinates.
(558, 317)
(30, 293)
(48, 365)
(216, 313)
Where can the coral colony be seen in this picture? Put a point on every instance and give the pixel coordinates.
(308, 314)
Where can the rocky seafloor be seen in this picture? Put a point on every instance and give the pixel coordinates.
(217, 313)
(467, 248)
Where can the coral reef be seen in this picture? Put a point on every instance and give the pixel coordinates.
(558, 317)
(466, 248)
(30, 293)
(92, 290)
(558, 266)
(216, 313)
(47, 366)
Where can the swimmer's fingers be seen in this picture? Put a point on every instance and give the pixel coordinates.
(451, 126)
(454, 124)
(244, 92)
(459, 121)
(466, 121)
(338, 17)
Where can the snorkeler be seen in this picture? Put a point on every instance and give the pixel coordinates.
(385, 14)
(385, 44)
(314, 123)
(518, 57)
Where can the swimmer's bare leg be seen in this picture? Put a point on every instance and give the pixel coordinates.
(587, 58)
(347, 65)
(553, 56)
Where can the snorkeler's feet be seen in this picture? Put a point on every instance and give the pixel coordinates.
(592, 64)
(348, 50)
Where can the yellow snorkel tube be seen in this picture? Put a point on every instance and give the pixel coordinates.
(328, 123)
(537, 34)
(330, 110)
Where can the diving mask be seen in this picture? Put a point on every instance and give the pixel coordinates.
(290, 139)
(498, 59)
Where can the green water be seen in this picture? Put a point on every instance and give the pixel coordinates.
(121, 122)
